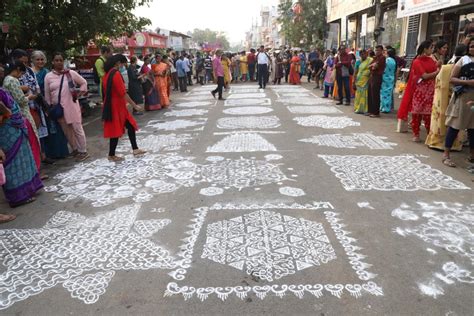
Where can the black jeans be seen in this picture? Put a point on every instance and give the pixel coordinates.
(220, 86)
(182, 84)
(189, 74)
(131, 135)
(452, 134)
(262, 75)
(343, 85)
(252, 72)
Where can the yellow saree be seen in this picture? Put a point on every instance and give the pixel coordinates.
(362, 86)
(436, 137)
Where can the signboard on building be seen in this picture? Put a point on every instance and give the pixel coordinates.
(413, 7)
(363, 26)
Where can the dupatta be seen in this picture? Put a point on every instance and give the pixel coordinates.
(421, 65)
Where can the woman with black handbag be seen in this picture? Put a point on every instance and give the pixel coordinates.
(60, 92)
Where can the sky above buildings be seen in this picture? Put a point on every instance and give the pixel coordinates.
(232, 17)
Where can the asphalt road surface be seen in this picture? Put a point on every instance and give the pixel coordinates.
(273, 202)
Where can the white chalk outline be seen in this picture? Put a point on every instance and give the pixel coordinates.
(347, 243)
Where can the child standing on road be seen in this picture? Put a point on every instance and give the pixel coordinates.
(328, 78)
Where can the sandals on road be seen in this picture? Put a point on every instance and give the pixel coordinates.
(448, 162)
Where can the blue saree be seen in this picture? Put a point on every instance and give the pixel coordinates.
(388, 83)
(23, 180)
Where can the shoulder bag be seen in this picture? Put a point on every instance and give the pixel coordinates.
(57, 111)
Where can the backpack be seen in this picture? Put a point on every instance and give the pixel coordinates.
(96, 74)
(269, 59)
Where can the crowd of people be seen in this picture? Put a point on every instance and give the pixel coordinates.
(41, 121)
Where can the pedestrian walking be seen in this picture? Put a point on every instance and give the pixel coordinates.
(219, 72)
(115, 115)
(263, 62)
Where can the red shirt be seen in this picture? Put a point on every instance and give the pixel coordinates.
(380, 60)
(120, 113)
(251, 58)
(345, 59)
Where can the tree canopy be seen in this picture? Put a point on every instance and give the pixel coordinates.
(58, 25)
(209, 36)
(307, 28)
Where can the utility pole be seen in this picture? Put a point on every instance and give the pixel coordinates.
(378, 21)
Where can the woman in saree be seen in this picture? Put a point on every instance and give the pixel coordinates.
(55, 144)
(21, 171)
(437, 135)
(419, 93)
(388, 82)
(12, 85)
(295, 69)
(160, 70)
(460, 111)
(152, 98)
(361, 84)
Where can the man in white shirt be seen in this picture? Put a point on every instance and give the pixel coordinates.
(263, 62)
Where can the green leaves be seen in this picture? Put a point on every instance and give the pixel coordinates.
(307, 29)
(209, 36)
(53, 25)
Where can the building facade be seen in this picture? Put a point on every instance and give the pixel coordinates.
(402, 24)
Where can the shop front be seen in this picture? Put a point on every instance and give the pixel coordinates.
(450, 24)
